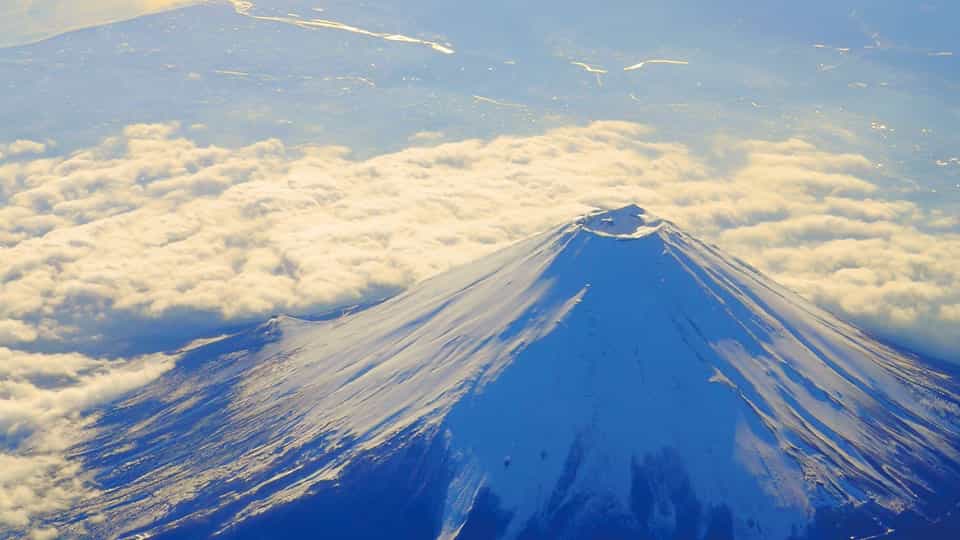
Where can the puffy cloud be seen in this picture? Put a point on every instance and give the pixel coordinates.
(150, 232)
(15, 331)
(42, 401)
(22, 147)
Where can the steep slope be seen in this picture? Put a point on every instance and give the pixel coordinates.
(613, 378)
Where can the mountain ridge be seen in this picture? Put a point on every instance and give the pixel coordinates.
(613, 375)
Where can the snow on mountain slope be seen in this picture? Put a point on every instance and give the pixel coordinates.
(613, 378)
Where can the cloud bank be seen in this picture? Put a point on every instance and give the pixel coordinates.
(149, 228)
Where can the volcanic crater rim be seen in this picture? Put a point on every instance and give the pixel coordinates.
(628, 222)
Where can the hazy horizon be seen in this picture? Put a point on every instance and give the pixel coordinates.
(173, 170)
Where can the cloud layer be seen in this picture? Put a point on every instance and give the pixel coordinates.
(148, 231)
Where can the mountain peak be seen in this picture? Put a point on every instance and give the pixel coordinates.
(630, 221)
(568, 383)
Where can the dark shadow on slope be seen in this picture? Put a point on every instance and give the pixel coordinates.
(720, 524)
(874, 522)
(398, 494)
(664, 506)
(661, 492)
(487, 519)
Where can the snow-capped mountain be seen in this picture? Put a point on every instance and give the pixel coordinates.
(612, 378)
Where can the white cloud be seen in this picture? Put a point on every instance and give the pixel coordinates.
(21, 147)
(15, 331)
(426, 137)
(150, 230)
(42, 401)
(44, 533)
